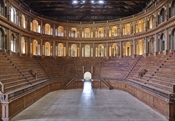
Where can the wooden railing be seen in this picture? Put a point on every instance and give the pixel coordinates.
(70, 82)
(106, 83)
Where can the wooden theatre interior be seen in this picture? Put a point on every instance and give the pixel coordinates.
(40, 54)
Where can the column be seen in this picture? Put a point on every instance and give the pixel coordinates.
(107, 50)
(134, 48)
(19, 45)
(41, 28)
(145, 47)
(53, 49)
(80, 48)
(146, 24)
(8, 11)
(166, 41)
(9, 41)
(94, 50)
(157, 19)
(41, 47)
(121, 49)
(67, 49)
(155, 44)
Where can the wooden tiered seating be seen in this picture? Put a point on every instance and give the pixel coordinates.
(153, 79)
(118, 68)
(25, 64)
(59, 69)
(10, 77)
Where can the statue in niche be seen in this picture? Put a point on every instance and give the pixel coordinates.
(46, 51)
(101, 51)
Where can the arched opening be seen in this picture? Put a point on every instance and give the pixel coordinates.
(73, 33)
(23, 47)
(13, 14)
(60, 31)
(47, 49)
(74, 52)
(87, 33)
(128, 49)
(173, 9)
(35, 25)
(1, 39)
(35, 44)
(113, 32)
(87, 50)
(151, 22)
(100, 32)
(140, 26)
(47, 29)
(140, 48)
(23, 21)
(162, 42)
(2, 8)
(101, 50)
(60, 49)
(127, 29)
(162, 16)
(13, 43)
(87, 76)
(114, 50)
(151, 46)
(87, 83)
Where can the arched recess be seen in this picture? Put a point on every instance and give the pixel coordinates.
(2, 43)
(162, 43)
(60, 49)
(87, 76)
(127, 29)
(162, 16)
(128, 49)
(47, 49)
(23, 21)
(140, 26)
(113, 32)
(13, 14)
(173, 8)
(35, 45)
(172, 43)
(87, 33)
(13, 43)
(73, 33)
(101, 50)
(114, 50)
(100, 32)
(87, 50)
(35, 26)
(151, 21)
(74, 52)
(47, 29)
(2, 8)
(140, 47)
(151, 46)
(61, 31)
(23, 45)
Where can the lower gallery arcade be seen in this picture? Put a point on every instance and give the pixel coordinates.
(130, 58)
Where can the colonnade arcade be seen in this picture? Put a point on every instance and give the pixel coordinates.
(118, 38)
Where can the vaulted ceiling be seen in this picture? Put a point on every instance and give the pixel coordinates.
(86, 10)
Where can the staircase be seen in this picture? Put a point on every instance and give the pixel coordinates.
(133, 66)
(36, 58)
